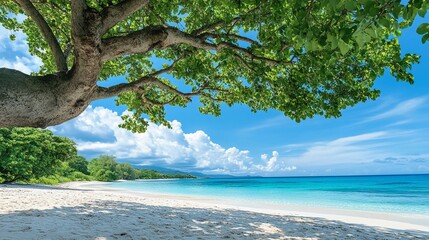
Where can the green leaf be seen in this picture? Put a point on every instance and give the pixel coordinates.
(425, 38)
(385, 22)
(333, 40)
(422, 12)
(350, 5)
(362, 38)
(423, 28)
(371, 31)
(344, 47)
(334, 4)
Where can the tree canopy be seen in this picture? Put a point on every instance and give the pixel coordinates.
(27, 153)
(103, 168)
(303, 58)
(79, 164)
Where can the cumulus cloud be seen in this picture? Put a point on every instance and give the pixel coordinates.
(96, 132)
(274, 163)
(23, 64)
(15, 54)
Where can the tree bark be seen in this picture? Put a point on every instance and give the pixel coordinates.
(34, 101)
(41, 101)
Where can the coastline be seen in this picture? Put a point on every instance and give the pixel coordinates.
(398, 221)
(88, 210)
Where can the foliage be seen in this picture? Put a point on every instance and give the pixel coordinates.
(79, 176)
(65, 172)
(303, 58)
(50, 180)
(152, 174)
(27, 153)
(56, 179)
(79, 164)
(103, 168)
(126, 172)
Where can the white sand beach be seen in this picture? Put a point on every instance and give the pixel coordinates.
(82, 210)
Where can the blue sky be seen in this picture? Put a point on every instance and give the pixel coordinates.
(386, 136)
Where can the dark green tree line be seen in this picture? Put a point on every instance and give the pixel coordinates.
(37, 156)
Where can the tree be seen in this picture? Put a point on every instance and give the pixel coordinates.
(150, 174)
(126, 172)
(303, 58)
(27, 153)
(103, 168)
(79, 164)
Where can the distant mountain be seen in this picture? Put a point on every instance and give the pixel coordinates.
(174, 171)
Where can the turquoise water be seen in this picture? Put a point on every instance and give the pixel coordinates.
(396, 194)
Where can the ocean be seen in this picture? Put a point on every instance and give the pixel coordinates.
(386, 194)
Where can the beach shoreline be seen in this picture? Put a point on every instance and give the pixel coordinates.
(399, 221)
(87, 209)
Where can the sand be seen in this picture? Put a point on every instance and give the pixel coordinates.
(87, 211)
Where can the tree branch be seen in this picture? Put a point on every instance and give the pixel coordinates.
(47, 33)
(244, 39)
(52, 4)
(170, 89)
(160, 37)
(244, 62)
(102, 92)
(140, 41)
(113, 14)
(174, 91)
(157, 103)
(212, 26)
(85, 31)
(78, 8)
(230, 35)
(176, 36)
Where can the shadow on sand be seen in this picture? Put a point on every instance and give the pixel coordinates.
(130, 220)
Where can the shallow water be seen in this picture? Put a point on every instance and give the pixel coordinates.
(396, 194)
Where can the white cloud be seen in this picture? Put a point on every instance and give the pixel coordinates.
(400, 109)
(358, 138)
(19, 45)
(23, 64)
(355, 149)
(96, 132)
(358, 149)
(274, 164)
(15, 54)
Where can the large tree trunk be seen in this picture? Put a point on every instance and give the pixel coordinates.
(49, 100)
(39, 101)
